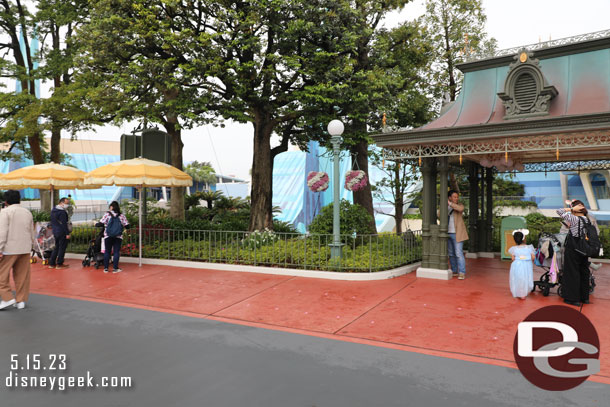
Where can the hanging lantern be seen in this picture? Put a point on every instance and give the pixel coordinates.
(355, 180)
(317, 181)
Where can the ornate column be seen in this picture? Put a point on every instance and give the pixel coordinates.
(443, 213)
(481, 231)
(489, 178)
(429, 183)
(430, 267)
(473, 209)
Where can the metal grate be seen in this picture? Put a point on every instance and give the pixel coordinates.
(526, 91)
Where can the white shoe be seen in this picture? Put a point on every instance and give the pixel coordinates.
(117, 271)
(20, 305)
(5, 304)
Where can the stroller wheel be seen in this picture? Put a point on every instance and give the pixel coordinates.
(84, 263)
(32, 260)
(45, 262)
(96, 265)
(545, 291)
(559, 291)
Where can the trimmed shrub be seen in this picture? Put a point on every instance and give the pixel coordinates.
(353, 217)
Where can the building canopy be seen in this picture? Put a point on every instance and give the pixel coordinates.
(545, 104)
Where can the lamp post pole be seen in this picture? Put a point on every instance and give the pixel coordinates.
(335, 129)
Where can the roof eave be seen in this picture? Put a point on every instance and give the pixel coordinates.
(509, 128)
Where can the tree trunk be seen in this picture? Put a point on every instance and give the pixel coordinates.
(363, 197)
(399, 216)
(176, 209)
(261, 215)
(55, 144)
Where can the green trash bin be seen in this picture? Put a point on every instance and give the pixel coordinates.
(509, 224)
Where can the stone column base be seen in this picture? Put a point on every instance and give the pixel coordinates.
(433, 273)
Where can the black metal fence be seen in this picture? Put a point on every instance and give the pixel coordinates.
(360, 253)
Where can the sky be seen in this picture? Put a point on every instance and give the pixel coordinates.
(512, 23)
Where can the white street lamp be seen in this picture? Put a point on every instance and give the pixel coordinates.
(335, 129)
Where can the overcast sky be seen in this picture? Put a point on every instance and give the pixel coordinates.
(512, 23)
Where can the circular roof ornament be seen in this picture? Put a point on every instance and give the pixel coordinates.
(523, 57)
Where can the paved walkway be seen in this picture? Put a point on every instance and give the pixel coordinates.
(474, 319)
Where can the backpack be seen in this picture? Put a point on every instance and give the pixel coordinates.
(588, 244)
(114, 227)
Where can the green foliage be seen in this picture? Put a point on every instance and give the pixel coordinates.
(258, 238)
(201, 172)
(353, 219)
(283, 227)
(210, 197)
(373, 253)
(41, 216)
(504, 186)
(456, 29)
(515, 203)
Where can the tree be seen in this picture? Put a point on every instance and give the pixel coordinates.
(201, 172)
(456, 28)
(379, 71)
(19, 127)
(56, 22)
(51, 25)
(457, 31)
(143, 56)
(393, 187)
(265, 54)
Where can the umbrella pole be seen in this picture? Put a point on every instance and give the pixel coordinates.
(140, 227)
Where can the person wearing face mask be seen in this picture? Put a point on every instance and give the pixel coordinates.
(61, 233)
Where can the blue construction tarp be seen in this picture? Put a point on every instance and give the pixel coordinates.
(85, 162)
(299, 205)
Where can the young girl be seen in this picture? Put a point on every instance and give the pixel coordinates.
(522, 267)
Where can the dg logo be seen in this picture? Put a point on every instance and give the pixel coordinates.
(557, 348)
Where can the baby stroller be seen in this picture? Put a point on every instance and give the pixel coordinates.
(94, 252)
(550, 245)
(44, 244)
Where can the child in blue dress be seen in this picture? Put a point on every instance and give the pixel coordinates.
(522, 267)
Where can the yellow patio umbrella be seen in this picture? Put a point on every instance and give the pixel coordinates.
(139, 173)
(45, 176)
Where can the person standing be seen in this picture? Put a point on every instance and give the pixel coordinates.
(71, 206)
(17, 234)
(521, 277)
(114, 224)
(457, 235)
(61, 233)
(576, 273)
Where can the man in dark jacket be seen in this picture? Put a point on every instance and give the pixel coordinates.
(61, 233)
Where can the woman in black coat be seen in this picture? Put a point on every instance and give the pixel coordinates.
(576, 273)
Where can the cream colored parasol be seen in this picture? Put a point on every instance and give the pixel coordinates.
(139, 173)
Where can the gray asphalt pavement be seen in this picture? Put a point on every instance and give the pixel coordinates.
(175, 360)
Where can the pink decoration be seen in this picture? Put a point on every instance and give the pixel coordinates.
(317, 181)
(355, 180)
